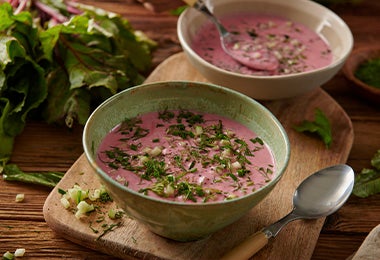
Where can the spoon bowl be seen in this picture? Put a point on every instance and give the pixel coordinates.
(245, 52)
(323, 192)
(319, 195)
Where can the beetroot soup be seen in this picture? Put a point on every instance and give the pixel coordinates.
(185, 156)
(296, 47)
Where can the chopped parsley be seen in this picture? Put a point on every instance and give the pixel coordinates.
(203, 145)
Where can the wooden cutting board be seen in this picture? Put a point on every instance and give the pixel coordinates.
(296, 241)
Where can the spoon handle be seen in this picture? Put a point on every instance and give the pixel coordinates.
(248, 247)
(190, 2)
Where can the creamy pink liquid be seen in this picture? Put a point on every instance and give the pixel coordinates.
(297, 48)
(213, 179)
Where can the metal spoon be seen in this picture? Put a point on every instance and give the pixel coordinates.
(319, 195)
(245, 52)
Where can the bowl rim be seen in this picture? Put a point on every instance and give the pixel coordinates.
(335, 63)
(89, 150)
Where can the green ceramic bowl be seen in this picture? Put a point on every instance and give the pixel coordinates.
(175, 220)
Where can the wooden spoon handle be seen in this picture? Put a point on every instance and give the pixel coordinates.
(190, 2)
(248, 247)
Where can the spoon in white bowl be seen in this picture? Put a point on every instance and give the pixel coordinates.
(245, 52)
(319, 195)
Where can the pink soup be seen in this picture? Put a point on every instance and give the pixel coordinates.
(296, 47)
(186, 156)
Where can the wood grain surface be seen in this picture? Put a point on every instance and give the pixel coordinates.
(296, 241)
(44, 147)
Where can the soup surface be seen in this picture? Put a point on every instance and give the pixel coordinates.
(296, 47)
(186, 156)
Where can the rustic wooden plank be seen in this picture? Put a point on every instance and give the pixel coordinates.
(343, 231)
(40, 242)
(334, 246)
(359, 215)
(45, 147)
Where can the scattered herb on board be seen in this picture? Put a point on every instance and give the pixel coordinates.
(369, 72)
(94, 207)
(60, 59)
(367, 182)
(320, 126)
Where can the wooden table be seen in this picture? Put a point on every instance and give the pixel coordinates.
(44, 147)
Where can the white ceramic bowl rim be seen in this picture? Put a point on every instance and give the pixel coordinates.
(350, 43)
(88, 150)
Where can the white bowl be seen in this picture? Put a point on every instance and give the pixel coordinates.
(317, 17)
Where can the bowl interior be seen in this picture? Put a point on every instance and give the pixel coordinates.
(317, 17)
(186, 95)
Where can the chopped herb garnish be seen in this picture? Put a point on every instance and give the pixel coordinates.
(107, 229)
(131, 130)
(133, 147)
(166, 115)
(154, 169)
(252, 33)
(180, 130)
(232, 176)
(105, 197)
(257, 140)
(190, 117)
(188, 145)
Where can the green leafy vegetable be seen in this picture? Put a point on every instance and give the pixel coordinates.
(22, 83)
(369, 72)
(178, 11)
(12, 172)
(367, 183)
(61, 59)
(320, 126)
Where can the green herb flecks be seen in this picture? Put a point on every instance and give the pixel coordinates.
(166, 115)
(190, 191)
(180, 130)
(154, 169)
(118, 158)
(320, 126)
(131, 130)
(108, 228)
(369, 72)
(367, 183)
(190, 117)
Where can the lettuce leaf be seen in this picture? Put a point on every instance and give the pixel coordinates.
(101, 55)
(22, 80)
(61, 59)
(367, 183)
